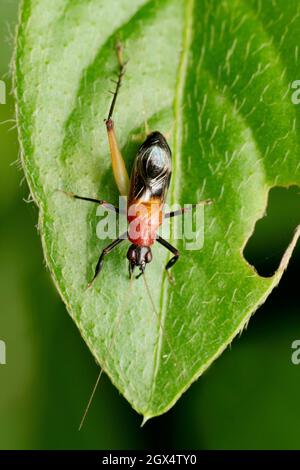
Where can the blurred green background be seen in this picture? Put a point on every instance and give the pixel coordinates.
(248, 399)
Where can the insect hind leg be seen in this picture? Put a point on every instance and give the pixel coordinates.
(122, 68)
(118, 165)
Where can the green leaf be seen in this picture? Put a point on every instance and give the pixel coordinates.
(216, 76)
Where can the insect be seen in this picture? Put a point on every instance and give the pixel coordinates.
(146, 190)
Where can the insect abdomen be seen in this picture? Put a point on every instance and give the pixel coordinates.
(151, 171)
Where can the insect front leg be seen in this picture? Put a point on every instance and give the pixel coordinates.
(105, 252)
(171, 248)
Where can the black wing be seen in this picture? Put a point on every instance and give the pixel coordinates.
(151, 173)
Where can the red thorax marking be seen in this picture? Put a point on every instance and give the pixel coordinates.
(144, 219)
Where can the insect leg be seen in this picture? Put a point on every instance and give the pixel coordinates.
(105, 252)
(122, 66)
(118, 164)
(105, 204)
(182, 211)
(171, 248)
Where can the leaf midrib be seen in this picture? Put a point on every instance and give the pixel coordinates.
(176, 168)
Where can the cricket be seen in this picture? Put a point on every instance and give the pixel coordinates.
(146, 191)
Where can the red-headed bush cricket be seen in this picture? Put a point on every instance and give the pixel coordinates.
(146, 191)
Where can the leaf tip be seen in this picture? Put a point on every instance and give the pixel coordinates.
(145, 419)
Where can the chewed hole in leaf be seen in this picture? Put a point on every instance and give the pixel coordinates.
(273, 233)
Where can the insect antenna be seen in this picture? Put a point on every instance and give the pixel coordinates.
(108, 350)
(122, 66)
(159, 319)
(90, 400)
